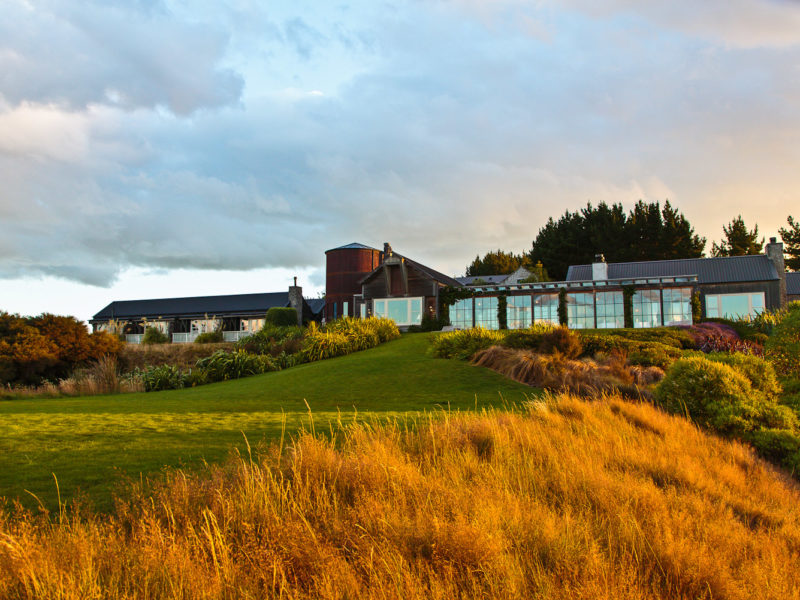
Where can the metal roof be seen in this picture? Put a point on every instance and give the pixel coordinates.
(433, 274)
(470, 280)
(351, 246)
(316, 304)
(757, 267)
(793, 284)
(194, 306)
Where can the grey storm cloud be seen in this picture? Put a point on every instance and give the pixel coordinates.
(164, 136)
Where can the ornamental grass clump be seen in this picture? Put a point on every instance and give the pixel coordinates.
(464, 343)
(346, 335)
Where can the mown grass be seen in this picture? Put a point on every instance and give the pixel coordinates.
(559, 499)
(88, 442)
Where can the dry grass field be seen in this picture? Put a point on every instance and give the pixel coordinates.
(562, 499)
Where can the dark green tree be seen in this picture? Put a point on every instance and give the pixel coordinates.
(646, 232)
(791, 243)
(497, 262)
(738, 240)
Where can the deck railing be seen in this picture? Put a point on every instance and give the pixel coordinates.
(134, 338)
(184, 338)
(235, 336)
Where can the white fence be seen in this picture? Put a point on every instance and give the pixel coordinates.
(134, 338)
(184, 338)
(235, 336)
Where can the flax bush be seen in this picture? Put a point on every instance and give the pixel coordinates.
(346, 335)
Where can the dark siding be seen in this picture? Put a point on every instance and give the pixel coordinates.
(345, 267)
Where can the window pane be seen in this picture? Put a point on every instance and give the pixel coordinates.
(416, 311)
(486, 313)
(677, 306)
(610, 310)
(398, 310)
(461, 314)
(518, 312)
(545, 308)
(580, 311)
(380, 308)
(646, 306)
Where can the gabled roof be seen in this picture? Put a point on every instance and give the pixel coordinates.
(757, 267)
(492, 279)
(351, 246)
(793, 284)
(316, 304)
(427, 271)
(193, 307)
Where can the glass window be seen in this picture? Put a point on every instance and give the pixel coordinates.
(610, 310)
(461, 314)
(397, 310)
(345, 309)
(518, 312)
(677, 306)
(545, 308)
(403, 311)
(732, 306)
(486, 313)
(580, 311)
(363, 311)
(647, 308)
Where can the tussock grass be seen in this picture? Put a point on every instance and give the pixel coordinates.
(565, 499)
(557, 372)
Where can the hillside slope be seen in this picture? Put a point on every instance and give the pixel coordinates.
(88, 442)
(565, 499)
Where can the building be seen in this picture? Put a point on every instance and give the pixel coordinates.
(183, 319)
(793, 287)
(593, 296)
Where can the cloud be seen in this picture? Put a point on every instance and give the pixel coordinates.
(251, 137)
(127, 55)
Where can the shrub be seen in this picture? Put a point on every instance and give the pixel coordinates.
(346, 335)
(530, 338)
(562, 340)
(671, 336)
(163, 377)
(758, 371)
(654, 354)
(210, 337)
(429, 323)
(463, 344)
(781, 446)
(783, 346)
(719, 336)
(223, 366)
(153, 335)
(282, 317)
(641, 353)
(273, 340)
(717, 396)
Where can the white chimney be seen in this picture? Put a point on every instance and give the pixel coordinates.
(599, 268)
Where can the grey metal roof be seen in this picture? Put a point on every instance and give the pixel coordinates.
(729, 269)
(351, 246)
(793, 284)
(470, 280)
(193, 307)
(316, 304)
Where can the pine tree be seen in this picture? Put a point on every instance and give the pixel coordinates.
(738, 241)
(791, 243)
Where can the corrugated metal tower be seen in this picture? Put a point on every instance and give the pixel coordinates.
(345, 266)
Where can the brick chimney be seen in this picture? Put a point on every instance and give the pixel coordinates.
(774, 251)
(599, 268)
(296, 300)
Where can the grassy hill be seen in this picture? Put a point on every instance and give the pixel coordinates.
(560, 499)
(88, 442)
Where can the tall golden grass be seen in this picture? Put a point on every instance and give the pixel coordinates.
(565, 499)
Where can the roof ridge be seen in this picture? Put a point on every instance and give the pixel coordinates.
(664, 260)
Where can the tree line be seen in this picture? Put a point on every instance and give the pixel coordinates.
(648, 231)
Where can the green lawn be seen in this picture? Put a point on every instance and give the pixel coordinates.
(87, 442)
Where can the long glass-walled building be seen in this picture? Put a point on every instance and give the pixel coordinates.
(589, 304)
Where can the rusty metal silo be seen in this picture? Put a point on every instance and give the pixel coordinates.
(345, 266)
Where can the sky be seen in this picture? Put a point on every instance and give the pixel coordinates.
(156, 148)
